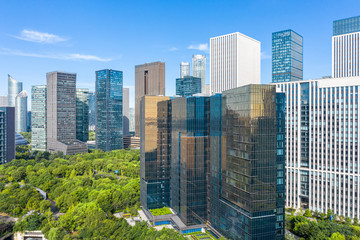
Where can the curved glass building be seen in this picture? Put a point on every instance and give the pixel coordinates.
(14, 88)
(21, 112)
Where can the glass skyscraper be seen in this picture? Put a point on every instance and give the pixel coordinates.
(347, 25)
(92, 110)
(38, 117)
(21, 112)
(82, 114)
(109, 109)
(7, 134)
(188, 86)
(184, 69)
(14, 88)
(199, 69)
(287, 56)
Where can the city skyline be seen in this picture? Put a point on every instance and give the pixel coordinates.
(71, 50)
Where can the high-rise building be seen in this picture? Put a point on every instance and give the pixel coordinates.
(38, 118)
(199, 69)
(132, 119)
(184, 69)
(345, 47)
(82, 114)
(245, 163)
(7, 134)
(287, 56)
(149, 81)
(188, 86)
(234, 62)
(154, 168)
(189, 158)
(109, 110)
(126, 113)
(322, 145)
(207, 89)
(3, 101)
(21, 112)
(28, 121)
(14, 88)
(92, 111)
(61, 114)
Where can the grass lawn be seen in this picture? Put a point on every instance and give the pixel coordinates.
(160, 211)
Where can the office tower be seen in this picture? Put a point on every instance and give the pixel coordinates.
(188, 86)
(345, 47)
(322, 145)
(7, 134)
(14, 88)
(184, 69)
(199, 69)
(234, 62)
(61, 114)
(132, 119)
(149, 81)
(154, 173)
(3, 101)
(28, 121)
(189, 157)
(38, 117)
(244, 163)
(207, 89)
(82, 114)
(287, 56)
(109, 110)
(21, 112)
(92, 111)
(126, 113)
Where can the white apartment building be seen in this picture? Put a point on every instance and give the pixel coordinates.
(322, 144)
(234, 62)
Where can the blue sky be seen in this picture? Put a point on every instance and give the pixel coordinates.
(84, 36)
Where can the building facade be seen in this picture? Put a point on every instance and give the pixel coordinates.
(188, 86)
(234, 62)
(126, 111)
(287, 56)
(82, 114)
(38, 117)
(199, 69)
(322, 145)
(184, 69)
(61, 114)
(14, 88)
(109, 110)
(149, 81)
(92, 111)
(3, 101)
(154, 166)
(345, 47)
(21, 112)
(7, 134)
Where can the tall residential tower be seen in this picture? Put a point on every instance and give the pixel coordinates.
(38, 118)
(199, 70)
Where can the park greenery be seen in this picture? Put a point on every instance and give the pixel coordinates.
(91, 135)
(83, 194)
(160, 211)
(319, 226)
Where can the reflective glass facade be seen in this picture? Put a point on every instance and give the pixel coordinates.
(92, 110)
(199, 69)
(82, 114)
(7, 134)
(38, 118)
(109, 116)
(347, 25)
(189, 158)
(188, 86)
(154, 151)
(14, 88)
(287, 56)
(21, 112)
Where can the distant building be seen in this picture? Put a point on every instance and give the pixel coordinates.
(21, 112)
(82, 114)
(188, 86)
(92, 111)
(61, 114)
(7, 134)
(28, 121)
(199, 69)
(14, 88)
(132, 119)
(345, 47)
(3, 101)
(109, 110)
(20, 140)
(184, 69)
(287, 56)
(38, 117)
(149, 81)
(207, 89)
(126, 113)
(241, 56)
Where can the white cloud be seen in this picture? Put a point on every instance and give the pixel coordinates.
(39, 37)
(200, 47)
(173, 49)
(71, 56)
(265, 56)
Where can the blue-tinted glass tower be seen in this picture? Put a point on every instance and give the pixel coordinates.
(347, 25)
(188, 86)
(287, 56)
(109, 101)
(7, 134)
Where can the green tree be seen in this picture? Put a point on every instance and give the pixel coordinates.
(307, 213)
(337, 236)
